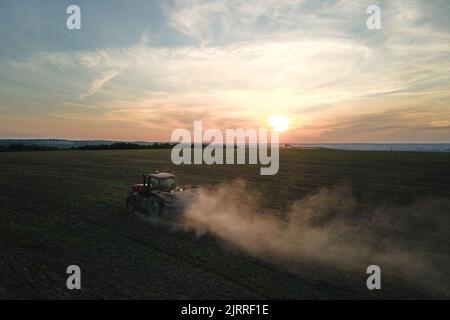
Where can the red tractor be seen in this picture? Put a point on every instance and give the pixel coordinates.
(158, 195)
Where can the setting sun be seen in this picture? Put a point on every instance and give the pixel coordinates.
(278, 123)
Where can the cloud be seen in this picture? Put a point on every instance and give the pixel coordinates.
(309, 61)
(97, 84)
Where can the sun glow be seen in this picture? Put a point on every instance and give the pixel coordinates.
(279, 123)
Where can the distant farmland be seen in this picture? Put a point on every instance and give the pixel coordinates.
(68, 207)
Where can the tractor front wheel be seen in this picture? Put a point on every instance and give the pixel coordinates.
(155, 207)
(132, 203)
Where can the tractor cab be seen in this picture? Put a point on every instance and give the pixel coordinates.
(160, 181)
(157, 181)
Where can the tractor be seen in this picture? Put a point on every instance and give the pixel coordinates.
(158, 195)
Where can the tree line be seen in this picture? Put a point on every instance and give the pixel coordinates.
(15, 147)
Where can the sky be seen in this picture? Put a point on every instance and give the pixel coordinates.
(137, 70)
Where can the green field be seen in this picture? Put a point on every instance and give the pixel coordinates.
(68, 207)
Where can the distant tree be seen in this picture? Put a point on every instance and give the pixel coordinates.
(25, 147)
(113, 146)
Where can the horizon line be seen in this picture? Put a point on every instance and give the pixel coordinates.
(162, 141)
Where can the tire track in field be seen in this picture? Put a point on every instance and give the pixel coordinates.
(58, 221)
(261, 289)
(180, 261)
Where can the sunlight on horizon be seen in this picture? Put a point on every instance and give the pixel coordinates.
(279, 123)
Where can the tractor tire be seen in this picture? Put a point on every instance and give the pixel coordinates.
(132, 203)
(155, 207)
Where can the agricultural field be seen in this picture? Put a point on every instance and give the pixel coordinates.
(311, 232)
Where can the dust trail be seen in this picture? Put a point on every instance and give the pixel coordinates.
(323, 227)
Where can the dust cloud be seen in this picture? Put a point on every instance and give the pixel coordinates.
(324, 227)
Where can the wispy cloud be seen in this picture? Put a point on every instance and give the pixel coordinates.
(314, 62)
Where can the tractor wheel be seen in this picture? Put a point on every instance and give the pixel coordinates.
(132, 203)
(155, 207)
